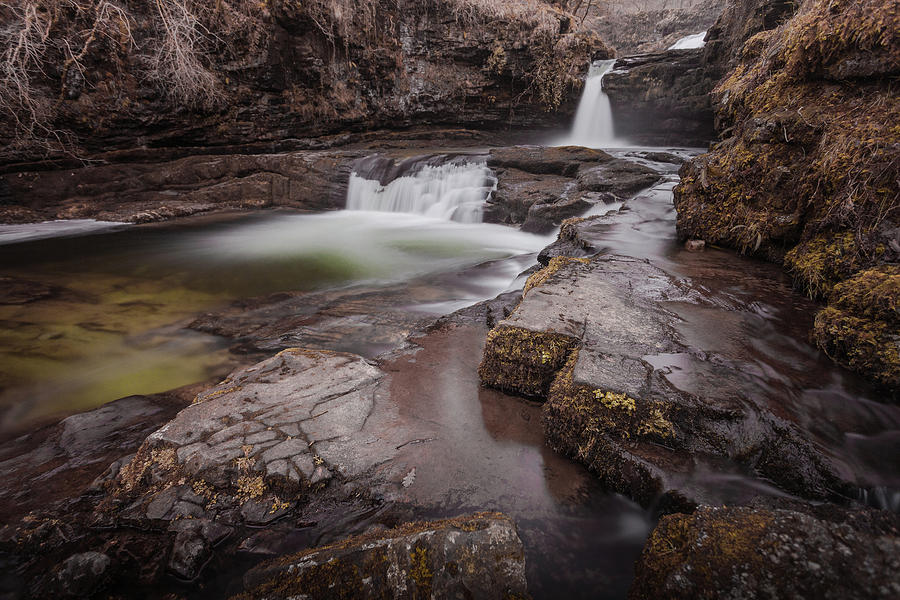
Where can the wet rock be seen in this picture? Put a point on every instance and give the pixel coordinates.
(539, 187)
(543, 160)
(249, 447)
(576, 238)
(67, 459)
(755, 553)
(14, 290)
(189, 553)
(586, 337)
(694, 245)
(81, 575)
(518, 191)
(478, 556)
(620, 178)
(364, 320)
(162, 190)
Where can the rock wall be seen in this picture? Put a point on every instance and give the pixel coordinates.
(662, 98)
(97, 76)
(807, 169)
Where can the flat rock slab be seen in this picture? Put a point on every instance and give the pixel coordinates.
(247, 448)
(587, 337)
(478, 556)
(754, 553)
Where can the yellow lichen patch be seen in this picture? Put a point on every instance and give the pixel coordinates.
(655, 424)
(130, 477)
(204, 396)
(615, 401)
(552, 267)
(596, 412)
(249, 487)
(420, 572)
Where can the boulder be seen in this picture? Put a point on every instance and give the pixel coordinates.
(246, 450)
(754, 553)
(539, 187)
(477, 556)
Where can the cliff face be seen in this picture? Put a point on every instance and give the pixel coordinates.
(808, 168)
(94, 76)
(662, 98)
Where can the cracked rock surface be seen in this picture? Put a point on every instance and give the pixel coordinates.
(263, 434)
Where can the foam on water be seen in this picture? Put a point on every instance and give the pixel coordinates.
(453, 191)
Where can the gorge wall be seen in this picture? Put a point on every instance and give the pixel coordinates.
(83, 78)
(807, 169)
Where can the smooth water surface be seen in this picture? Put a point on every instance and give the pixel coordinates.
(106, 313)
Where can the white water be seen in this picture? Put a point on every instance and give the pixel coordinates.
(14, 234)
(452, 191)
(689, 42)
(593, 122)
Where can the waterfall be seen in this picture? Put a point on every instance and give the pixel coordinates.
(689, 42)
(593, 121)
(454, 190)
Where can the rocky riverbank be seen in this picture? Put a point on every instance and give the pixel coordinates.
(806, 172)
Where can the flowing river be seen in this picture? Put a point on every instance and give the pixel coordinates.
(101, 315)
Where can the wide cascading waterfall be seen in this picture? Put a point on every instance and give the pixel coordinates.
(454, 189)
(593, 120)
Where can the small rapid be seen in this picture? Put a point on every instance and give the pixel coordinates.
(455, 190)
(689, 42)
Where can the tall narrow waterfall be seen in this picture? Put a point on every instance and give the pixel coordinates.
(593, 121)
(454, 190)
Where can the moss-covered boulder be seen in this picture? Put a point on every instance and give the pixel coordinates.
(477, 556)
(807, 171)
(755, 553)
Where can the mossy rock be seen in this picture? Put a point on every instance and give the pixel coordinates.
(756, 553)
(473, 556)
(860, 328)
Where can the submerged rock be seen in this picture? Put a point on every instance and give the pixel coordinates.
(478, 556)
(755, 553)
(586, 337)
(80, 575)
